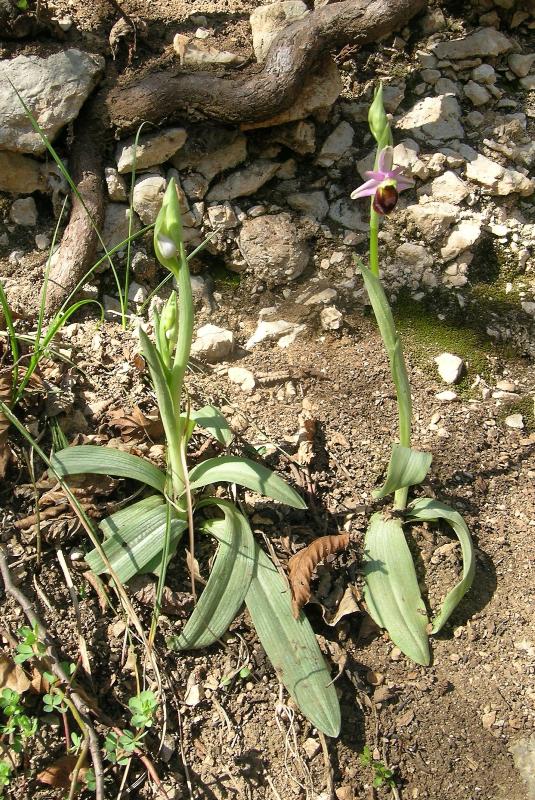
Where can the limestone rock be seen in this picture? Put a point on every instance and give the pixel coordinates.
(266, 22)
(485, 42)
(148, 195)
(152, 149)
(298, 136)
(463, 236)
(497, 179)
(117, 190)
(331, 319)
(24, 212)
(211, 151)
(319, 92)
(222, 217)
(450, 367)
(477, 94)
(433, 118)
(273, 248)
(449, 187)
(346, 213)
(243, 377)
(54, 88)
(315, 204)
(521, 64)
(433, 219)
(515, 421)
(279, 331)
(213, 343)
(336, 144)
(20, 174)
(195, 54)
(244, 182)
(116, 224)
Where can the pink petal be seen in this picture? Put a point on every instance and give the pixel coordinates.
(376, 176)
(404, 183)
(365, 190)
(386, 157)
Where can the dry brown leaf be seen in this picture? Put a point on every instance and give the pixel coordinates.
(302, 565)
(136, 425)
(347, 605)
(143, 588)
(12, 676)
(58, 774)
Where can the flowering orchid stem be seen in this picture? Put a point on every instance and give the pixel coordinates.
(374, 241)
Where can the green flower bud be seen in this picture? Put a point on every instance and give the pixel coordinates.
(378, 121)
(168, 328)
(168, 235)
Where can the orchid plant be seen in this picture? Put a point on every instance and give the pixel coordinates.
(144, 536)
(392, 593)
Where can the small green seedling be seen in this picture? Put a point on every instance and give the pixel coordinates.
(5, 775)
(119, 749)
(30, 645)
(53, 702)
(19, 727)
(143, 708)
(382, 775)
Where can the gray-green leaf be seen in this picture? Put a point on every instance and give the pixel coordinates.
(429, 510)
(134, 547)
(227, 585)
(88, 458)
(392, 591)
(292, 647)
(128, 515)
(211, 419)
(407, 467)
(233, 469)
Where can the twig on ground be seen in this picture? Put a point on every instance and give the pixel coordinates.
(72, 591)
(328, 774)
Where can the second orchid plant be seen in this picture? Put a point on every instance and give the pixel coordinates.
(392, 592)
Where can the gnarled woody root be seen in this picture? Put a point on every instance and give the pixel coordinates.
(169, 94)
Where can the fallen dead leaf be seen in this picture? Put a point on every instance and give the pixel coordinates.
(405, 719)
(302, 565)
(136, 425)
(12, 676)
(58, 774)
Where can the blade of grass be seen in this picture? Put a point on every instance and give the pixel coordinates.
(124, 306)
(13, 342)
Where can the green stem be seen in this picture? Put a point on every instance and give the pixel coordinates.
(374, 241)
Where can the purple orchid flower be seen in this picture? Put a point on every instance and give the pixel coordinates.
(384, 183)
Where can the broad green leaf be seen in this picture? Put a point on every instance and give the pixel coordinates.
(429, 510)
(392, 593)
(134, 547)
(227, 585)
(233, 469)
(211, 418)
(159, 374)
(127, 515)
(389, 335)
(406, 468)
(88, 458)
(292, 647)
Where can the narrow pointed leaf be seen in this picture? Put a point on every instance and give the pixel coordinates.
(227, 585)
(407, 467)
(133, 548)
(292, 647)
(88, 458)
(233, 469)
(127, 515)
(392, 593)
(158, 373)
(211, 419)
(429, 510)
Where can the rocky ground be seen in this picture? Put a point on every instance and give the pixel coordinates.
(284, 334)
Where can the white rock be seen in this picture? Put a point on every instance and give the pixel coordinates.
(117, 190)
(266, 22)
(498, 179)
(112, 307)
(213, 343)
(243, 377)
(222, 216)
(148, 195)
(447, 86)
(315, 204)
(298, 136)
(24, 212)
(195, 185)
(20, 174)
(152, 149)
(433, 219)
(42, 242)
(274, 248)
(415, 256)
(244, 182)
(515, 421)
(476, 93)
(336, 144)
(463, 236)
(116, 224)
(485, 73)
(485, 42)
(316, 298)
(433, 118)
(279, 331)
(447, 396)
(211, 151)
(194, 54)
(347, 213)
(137, 294)
(54, 88)
(521, 64)
(449, 188)
(331, 319)
(450, 367)
(319, 92)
